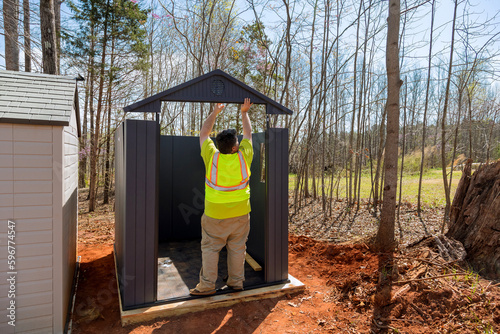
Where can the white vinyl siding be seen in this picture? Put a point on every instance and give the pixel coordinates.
(26, 192)
(38, 190)
(70, 210)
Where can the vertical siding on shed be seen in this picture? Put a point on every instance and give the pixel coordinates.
(276, 264)
(136, 220)
(26, 177)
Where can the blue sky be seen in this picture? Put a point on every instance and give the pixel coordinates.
(482, 10)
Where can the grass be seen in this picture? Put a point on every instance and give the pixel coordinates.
(432, 186)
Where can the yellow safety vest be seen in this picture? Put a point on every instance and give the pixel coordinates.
(224, 183)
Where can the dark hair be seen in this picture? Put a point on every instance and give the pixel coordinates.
(226, 140)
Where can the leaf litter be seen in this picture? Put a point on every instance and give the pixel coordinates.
(432, 290)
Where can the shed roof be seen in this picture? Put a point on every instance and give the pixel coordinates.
(216, 86)
(36, 98)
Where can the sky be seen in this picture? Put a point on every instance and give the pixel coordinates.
(482, 10)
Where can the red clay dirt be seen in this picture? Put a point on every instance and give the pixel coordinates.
(342, 295)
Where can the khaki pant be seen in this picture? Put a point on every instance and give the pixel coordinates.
(217, 233)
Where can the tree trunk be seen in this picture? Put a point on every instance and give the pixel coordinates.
(424, 125)
(107, 170)
(57, 24)
(443, 126)
(385, 235)
(27, 36)
(48, 30)
(10, 18)
(94, 151)
(475, 218)
(380, 152)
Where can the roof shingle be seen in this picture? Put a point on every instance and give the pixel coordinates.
(36, 98)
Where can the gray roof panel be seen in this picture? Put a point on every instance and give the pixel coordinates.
(36, 98)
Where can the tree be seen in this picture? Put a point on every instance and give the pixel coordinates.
(27, 35)
(424, 126)
(10, 18)
(443, 124)
(117, 23)
(475, 217)
(49, 40)
(385, 235)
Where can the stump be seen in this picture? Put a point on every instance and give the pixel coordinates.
(475, 218)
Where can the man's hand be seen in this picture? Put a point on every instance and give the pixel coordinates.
(218, 108)
(246, 106)
(247, 126)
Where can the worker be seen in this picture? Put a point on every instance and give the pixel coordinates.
(226, 220)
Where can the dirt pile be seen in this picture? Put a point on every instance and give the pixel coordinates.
(433, 288)
(430, 292)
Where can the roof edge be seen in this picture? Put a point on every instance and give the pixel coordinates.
(154, 98)
(14, 120)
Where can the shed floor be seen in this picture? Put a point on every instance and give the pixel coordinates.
(179, 264)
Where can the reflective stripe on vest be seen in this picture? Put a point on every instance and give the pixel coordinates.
(214, 174)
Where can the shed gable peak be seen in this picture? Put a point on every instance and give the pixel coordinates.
(216, 86)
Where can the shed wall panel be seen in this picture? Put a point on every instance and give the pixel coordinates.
(39, 286)
(32, 199)
(6, 187)
(37, 274)
(6, 160)
(6, 213)
(6, 173)
(42, 224)
(129, 246)
(137, 162)
(6, 131)
(22, 147)
(32, 174)
(42, 211)
(33, 262)
(33, 250)
(256, 239)
(32, 160)
(31, 187)
(32, 299)
(6, 146)
(165, 190)
(6, 200)
(34, 323)
(34, 287)
(34, 237)
(32, 133)
(152, 212)
(34, 311)
(69, 222)
(38, 331)
(276, 266)
(120, 203)
(140, 210)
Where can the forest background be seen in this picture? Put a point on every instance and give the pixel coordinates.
(325, 60)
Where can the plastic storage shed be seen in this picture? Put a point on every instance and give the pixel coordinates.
(160, 189)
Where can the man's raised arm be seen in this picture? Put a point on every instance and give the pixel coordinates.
(247, 126)
(209, 123)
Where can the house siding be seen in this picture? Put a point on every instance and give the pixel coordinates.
(26, 197)
(69, 216)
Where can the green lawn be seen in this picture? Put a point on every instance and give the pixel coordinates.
(432, 186)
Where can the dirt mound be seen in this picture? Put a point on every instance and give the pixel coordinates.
(433, 287)
(429, 293)
(430, 290)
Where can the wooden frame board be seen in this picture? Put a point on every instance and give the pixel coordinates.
(210, 302)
